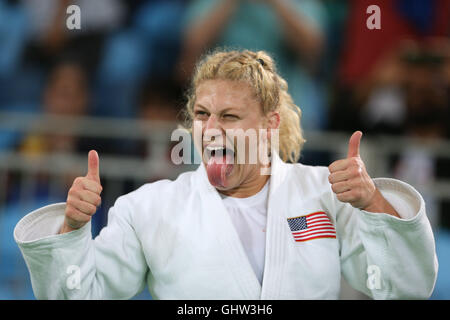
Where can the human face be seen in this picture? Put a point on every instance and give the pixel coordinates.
(221, 107)
(66, 93)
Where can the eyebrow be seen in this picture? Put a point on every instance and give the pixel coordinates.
(222, 111)
(201, 106)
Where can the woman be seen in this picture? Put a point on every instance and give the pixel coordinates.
(227, 231)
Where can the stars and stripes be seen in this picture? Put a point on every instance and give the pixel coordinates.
(312, 226)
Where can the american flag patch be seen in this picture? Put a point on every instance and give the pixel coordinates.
(312, 226)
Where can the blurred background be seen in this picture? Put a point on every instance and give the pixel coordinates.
(117, 85)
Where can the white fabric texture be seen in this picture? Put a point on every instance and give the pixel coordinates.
(177, 238)
(249, 217)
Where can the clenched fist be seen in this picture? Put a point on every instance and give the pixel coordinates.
(83, 197)
(351, 183)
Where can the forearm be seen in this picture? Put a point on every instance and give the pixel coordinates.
(66, 228)
(204, 32)
(72, 265)
(302, 36)
(58, 263)
(386, 257)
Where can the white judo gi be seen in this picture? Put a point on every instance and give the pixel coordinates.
(177, 238)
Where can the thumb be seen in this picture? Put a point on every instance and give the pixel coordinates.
(353, 144)
(93, 166)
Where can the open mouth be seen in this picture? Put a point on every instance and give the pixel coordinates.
(219, 164)
(220, 154)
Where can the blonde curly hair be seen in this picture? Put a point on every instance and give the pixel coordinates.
(259, 71)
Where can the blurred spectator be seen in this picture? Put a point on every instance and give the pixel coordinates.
(400, 19)
(148, 48)
(407, 93)
(50, 36)
(292, 31)
(370, 56)
(34, 35)
(66, 94)
(14, 37)
(160, 102)
(337, 14)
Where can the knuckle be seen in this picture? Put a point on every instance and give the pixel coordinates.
(92, 208)
(74, 192)
(71, 192)
(330, 178)
(360, 169)
(82, 217)
(78, 181)
(85, 207)
(70, 201)
(332, 166)
(70, 212)
(356, 172)
(333, 187)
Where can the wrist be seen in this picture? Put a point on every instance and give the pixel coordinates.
(67, 227)
(378, 204)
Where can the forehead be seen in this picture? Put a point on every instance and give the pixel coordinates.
(221, 94)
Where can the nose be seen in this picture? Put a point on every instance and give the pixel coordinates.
(212, 122)
(212, 128)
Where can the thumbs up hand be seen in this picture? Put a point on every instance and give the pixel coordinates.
(83, 197)
(351, 183)
(349, 178)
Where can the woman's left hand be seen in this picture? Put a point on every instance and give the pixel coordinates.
(351, 183)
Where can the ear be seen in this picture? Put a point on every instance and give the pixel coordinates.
(273, 122)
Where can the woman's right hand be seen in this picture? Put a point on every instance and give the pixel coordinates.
(83, 197)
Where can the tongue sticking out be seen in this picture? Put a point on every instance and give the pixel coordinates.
(218, 168)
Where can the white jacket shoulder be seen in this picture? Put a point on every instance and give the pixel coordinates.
(312, 177)
(155, 198)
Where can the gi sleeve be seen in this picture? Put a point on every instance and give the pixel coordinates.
(73, 265)
(387, 257)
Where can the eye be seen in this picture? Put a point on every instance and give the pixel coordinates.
(230, 116)
(200, 113)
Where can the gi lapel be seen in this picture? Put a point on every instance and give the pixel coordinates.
(276, 240)
(230, 246)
